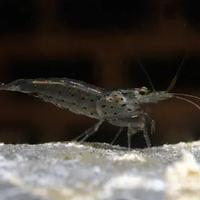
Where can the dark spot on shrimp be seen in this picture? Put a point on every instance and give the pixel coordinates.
(91, 100)
(103, 106)
(82, 98)
(85, 108)
(115, 113)
(123, 105)
(129, 109)
(105, 113)
(111, 107)
(91, 113)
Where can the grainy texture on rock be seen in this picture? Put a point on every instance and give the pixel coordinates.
(64, 171)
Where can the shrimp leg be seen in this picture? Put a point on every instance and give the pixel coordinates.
(117, 135)
(144, 124)
(86, 134)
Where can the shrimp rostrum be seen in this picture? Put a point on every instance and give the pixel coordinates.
(121, 107)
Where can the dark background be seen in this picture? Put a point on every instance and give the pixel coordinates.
(99, 42)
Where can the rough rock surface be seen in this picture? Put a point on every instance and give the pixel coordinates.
(64, 171)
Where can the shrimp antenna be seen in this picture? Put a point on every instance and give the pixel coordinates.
(173, 82)
(147, 75)
(187, 95)
(188, 101)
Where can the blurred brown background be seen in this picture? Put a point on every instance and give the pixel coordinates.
(99, 42)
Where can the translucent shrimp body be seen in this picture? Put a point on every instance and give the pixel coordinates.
(122, 107)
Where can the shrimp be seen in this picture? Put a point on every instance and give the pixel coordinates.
(120, 107)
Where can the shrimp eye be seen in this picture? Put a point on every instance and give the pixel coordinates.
(142, 92)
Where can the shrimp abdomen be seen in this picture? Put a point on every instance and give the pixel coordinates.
(76, 96)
